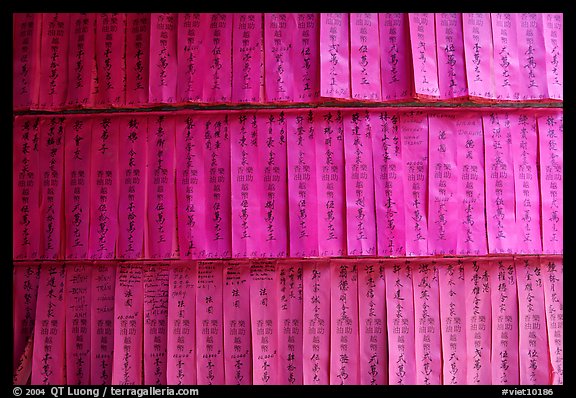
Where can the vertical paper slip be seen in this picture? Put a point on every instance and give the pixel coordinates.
(247, 44)
(181, 341)
(478, 55)
(316, 323)
(360, 207)
(279, 34)
(424, 64)
(532, 56)
(216, 58)
(504, 322)
(163, 58)
(26, 180)
(81, 60)
(78, 329)
(190, 77)
(450, 48)
(413, 128)
(237, 335)
(506, 56)
(48, 359)
(26, 60)
(264, 322)
(111, 59)
(334, 56)
(209, 324)
(365, 57)
(552, 278)
(306, 56)
(550, 141)
(137, 58)
(128, 325)
(554, 44)
(25, 293)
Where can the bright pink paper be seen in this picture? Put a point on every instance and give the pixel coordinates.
(316, 322)
(532, 56)
(54, 61)
(111, 59)
(181, 343)
(479, 54)
(264, 319)
(506, 56)
(26, 60)
(247, 46)
(25, 293)
(78, 310)
(424, 64)
(413, 129)
(128, 325)
(360, 211)
(48, 359)
(26, 182)
(551, 134)
(535, 368)
(237, 342)
(216, 57)
(209, 323)
(553, 28)
(305, 56)
(279, 33)
(450, 47)
(81, 60)
(504, 322)
(552, 278)
(190, 70)
(334, 56)
(23, 367)
(137, 58)
(365, 57)
(163, 58)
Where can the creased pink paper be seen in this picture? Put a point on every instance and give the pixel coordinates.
(190, 70)
(365, 57)
(81, 59)
(54, 60)
(479, 54)
(305, 56)
(247, 44)
(424, 64)
(532, 56)
(137, 58)
(111, 59)
(26, 60)
(334, 56)
(23, 368)
(506, 56)
(25, 293)
(553, 28)
(163, 58)
(450, 47)
(279, 33)
(552, 278)
(216, 57)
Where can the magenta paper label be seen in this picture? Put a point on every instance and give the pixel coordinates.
(26, 188)
(414, 143)
(305, 55)
(181, 342)
(504, 322)
(334, 56)
(216, 63)
(51, 164)
(48, 359)
(479, 55)
(54, 60)
(132, 186)
(23, 367)
(443, 185)
(365, 57)
(450, 48)
(26, 60)
(264, 320)
(111, 58)
(237, 342)
(102, 323)
(128, 325)
(209, 323)
(78, 307)
(279, 34)
(137, 58)
(190, 77)
(395, 56)
(344, 339)
(104, 188)
(532, 56)
(360, 212)
(163, 58)
(330, 183)
(533, 348)
(553, 29)
(316, 323)
(552, 278)
(81, 59)
(25, 293)
(500, 217)
(506, 56)
(453, 321)
(551, 134)
(161, 216)
(478, 320)
(156, 285)
(471, 227)
(423, 44)
(289, 277)
(302, 193)
(247, 47)
(372, 322)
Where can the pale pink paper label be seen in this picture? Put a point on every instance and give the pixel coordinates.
(278, 36)
(26, 60)
(532, 56)
(209, 323)
(479, 55)
(163, 58)
(450, 47)
(128, 325)
(181, 343)
(395, 56)
(553, 278)
(334, 56)
(54, 60)
(111, 59)
(504, 322)
(316, 323)
(553, 29)
(305, 56)
(247, 47)
(190, 40)
(550, 140)
(414, 143)
(48, 359)
(423, 44)
(26, 182)
(360, 211)
(216, 57)
(78, 330)
(137, 58)
(81, 59)
(365, 57)
(25, 293)
(237, 342)
(506, 56)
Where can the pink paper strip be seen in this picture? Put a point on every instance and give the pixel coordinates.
(365, 57)
(413, 128)
(305, 56)
(78, 329)
(479, 55)
(137, 58)
(423, 44)
(81, 60)
(209, 323)
(26, 60)
(553, 29)
(450, 47)
(190, 70)
(48, 360)
(237, 342)
(26, 188)
(128, 325)
(316, 323)
(247, 44)
(360, 208)
(163, 58)
(279, 33)
(532, 56)
(111, 59)
(334, 56)
(25, 293)
(216, 57)
(23, 368)
(552, 278)
(551, 134)
(506, 56)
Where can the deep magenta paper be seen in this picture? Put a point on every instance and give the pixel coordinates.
(334, 56)
(532, 56)
(479, 54)
(305, 56)
(247, 44)
(395, 56)
(424, 63)
(81, 60)
(190, 40)
(137, 58)
(163, 58)
(450, 47)
(54, 60)
(111, 59)
(278, 43)
(26, 60)
(506, 56)
(23, 368)
(216, 57)
(553, 27)
(25, 293)
(552, 279)
(365, 57)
